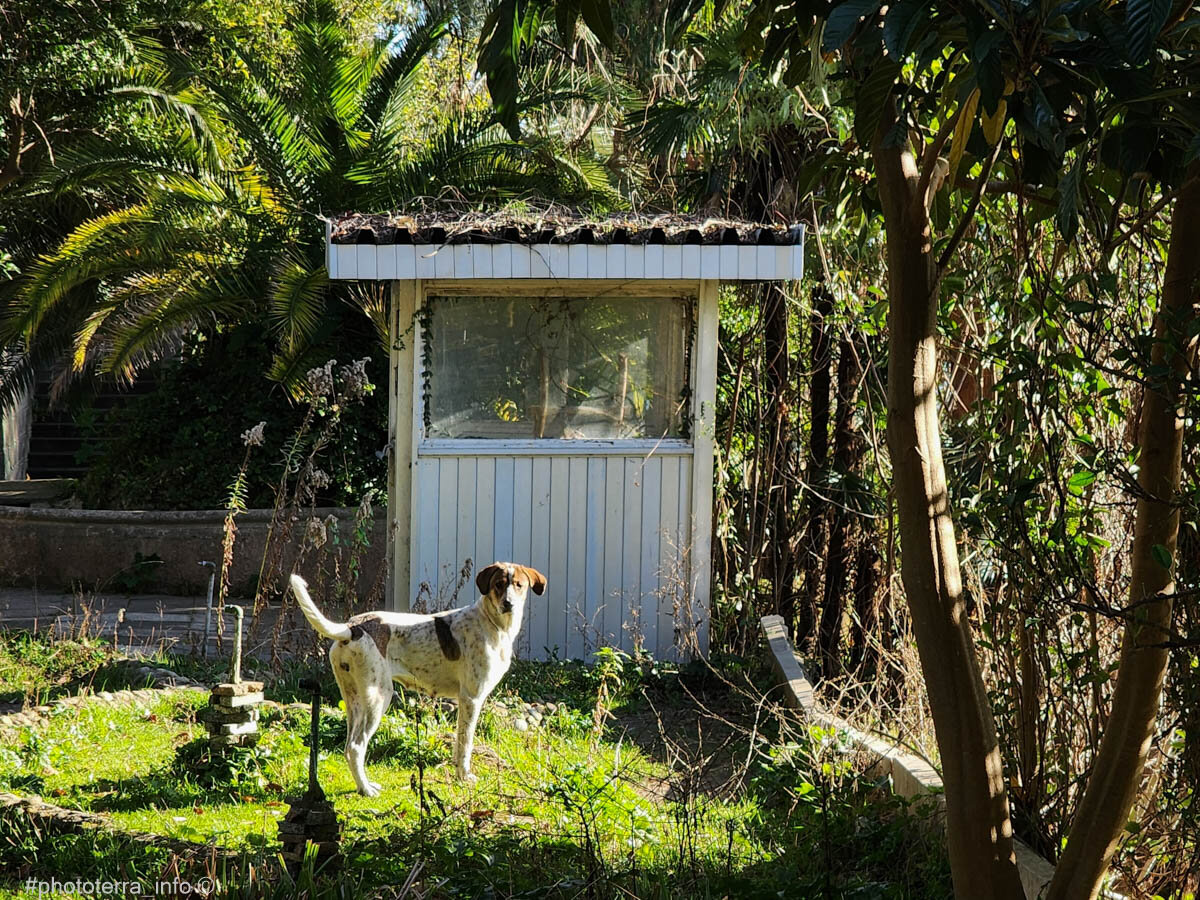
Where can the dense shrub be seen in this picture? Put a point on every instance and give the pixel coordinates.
(179, 446)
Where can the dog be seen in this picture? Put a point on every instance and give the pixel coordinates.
(461, 653)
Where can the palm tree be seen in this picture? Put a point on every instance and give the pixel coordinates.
(230, 184)
(59, 64)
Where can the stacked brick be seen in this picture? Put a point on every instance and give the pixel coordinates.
(310, 819)
(231, 717)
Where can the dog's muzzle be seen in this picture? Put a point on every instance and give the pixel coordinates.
(506, 605)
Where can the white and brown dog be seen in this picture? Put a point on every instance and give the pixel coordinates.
(461, 653)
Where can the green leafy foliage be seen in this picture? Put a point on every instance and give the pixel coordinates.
(509, 33)
(176, 447)
(1144, 19)
(843, 20)
(222, 221)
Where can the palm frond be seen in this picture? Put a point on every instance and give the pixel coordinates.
(275, 136)
(155, 322)
(83, 349)
(371, 299)
(330, 75)
(96, 246)
(555, 85)
(670, 125)
(19, 372)
(297, 296)
(189, 109)
(292, 363)
(395, 67)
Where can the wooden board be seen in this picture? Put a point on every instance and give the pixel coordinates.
(35, 490)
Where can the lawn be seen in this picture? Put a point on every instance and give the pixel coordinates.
(609, 780)
(35, 671)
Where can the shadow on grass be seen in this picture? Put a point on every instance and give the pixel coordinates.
(460, 856)
(196, 776)
(407, 737)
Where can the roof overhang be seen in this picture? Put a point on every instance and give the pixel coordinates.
(670, 248)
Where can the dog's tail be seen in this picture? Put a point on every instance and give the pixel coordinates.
(331, 630)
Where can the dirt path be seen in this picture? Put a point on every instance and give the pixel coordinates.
(704, 734)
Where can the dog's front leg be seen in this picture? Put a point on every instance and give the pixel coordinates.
(468, 718)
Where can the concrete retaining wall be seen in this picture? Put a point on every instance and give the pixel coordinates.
(66, 549)
(911, 776)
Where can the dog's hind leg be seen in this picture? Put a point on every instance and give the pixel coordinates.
(373, 703)
(345, 664)
(468, 718)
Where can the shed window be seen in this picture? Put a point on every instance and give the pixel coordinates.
(556, 367)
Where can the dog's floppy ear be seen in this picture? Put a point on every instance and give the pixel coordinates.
(483, 580)
(537, 580)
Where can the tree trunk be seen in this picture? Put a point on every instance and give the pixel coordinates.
(816, 524)
(1029, 706)
(1117, 771)
(768, 174)
(16, 424)
(978, 827)
(847, 459)
(865, 636)
(777, 515)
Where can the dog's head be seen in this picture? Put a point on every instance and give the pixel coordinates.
(507, 584)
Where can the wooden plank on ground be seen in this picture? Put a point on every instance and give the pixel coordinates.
(35, 490)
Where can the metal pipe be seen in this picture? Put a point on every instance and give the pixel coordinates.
(235, 670)
(208, 609)
(314, 787)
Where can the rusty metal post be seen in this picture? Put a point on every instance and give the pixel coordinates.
(235, 668)
(314, 788)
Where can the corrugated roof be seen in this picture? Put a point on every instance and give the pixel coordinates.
(506, 227)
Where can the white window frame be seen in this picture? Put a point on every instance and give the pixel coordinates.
(583, 290)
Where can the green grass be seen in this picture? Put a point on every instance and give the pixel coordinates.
(673, 798)
(41, 670)
(35, 669)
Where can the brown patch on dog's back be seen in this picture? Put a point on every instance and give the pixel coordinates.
(369, 623)
(446, 640)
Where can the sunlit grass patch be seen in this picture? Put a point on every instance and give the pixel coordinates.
(79, 750)
(616, 779)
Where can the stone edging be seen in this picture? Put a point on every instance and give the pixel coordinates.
(164, 680)
(911, 776)
(73, 821)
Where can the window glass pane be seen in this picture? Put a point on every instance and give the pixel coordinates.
(554, 367)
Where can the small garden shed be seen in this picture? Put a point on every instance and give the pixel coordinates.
(552, 392)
